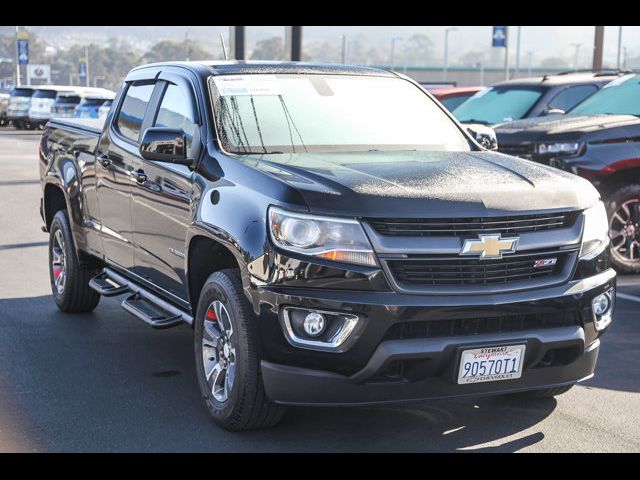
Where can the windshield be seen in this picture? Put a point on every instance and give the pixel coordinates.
(620, 97)
(45, 94)
(498, 104)
(21, 92)
(328, 113)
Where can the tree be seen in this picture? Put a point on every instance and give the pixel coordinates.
(554, 62)
(418, 50)
(269, 49)
(169, 50)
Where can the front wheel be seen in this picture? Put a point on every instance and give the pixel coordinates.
(623, 211)
(227, 359)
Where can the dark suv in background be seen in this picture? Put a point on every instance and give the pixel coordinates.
(599, 140)
(531, 97)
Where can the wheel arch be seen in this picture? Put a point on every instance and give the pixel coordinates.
(206, 254)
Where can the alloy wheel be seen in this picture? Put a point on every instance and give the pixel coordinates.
(218, 353)
(58, 262)
(624, 230)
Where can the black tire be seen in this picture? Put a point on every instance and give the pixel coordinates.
(18, 124)
(247, 405)
(76, 295)
(547, 392)
(614, 203)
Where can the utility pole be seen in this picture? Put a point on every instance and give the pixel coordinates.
(597, 48)
(619, 47)
(393, 51)
(518, 53)
(506, 54)
(296, 43)
(446, 51)
(575, 55)
(238, 44)
(17, 60)
(86, 56)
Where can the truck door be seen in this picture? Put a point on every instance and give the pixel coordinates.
(161, 203)
(115, 158)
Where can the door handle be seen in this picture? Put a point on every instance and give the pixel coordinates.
(139, 177)
(104, 161)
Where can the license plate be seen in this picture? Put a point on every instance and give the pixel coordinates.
(491, 364)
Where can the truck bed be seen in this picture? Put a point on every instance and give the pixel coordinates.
(88, 125)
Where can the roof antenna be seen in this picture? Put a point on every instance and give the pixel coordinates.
(224, 49)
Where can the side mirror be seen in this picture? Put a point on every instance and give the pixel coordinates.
(164, 145)
(484, 135)
(553, 111)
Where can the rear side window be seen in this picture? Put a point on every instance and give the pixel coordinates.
(570, 97)
(176, 111)
(133, 109)
(45, 94)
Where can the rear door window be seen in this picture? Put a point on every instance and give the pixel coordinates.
(133, 110)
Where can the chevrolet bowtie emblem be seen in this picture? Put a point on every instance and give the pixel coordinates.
(489, 246)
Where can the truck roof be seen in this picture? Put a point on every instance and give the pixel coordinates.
(236, 67)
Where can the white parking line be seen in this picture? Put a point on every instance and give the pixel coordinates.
(626, 296)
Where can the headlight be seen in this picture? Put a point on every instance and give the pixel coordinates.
(596, 230)
(336, 239)
(569, 148)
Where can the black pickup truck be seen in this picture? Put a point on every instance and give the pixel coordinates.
(333, 235)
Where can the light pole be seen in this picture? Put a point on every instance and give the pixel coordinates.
(575, 58)
(17, 60)
(446, 51)
(518, 52)
(343, 56)
(393, 51)
(529, 55)
(619, 46)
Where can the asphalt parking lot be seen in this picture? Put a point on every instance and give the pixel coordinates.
(106, 382)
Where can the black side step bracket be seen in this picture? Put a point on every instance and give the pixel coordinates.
(150, 313)
(106, 286)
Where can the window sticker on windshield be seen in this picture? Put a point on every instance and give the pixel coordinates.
(248, 85)
(620, 80)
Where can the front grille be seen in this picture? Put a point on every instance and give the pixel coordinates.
(463, 327)
(446, 270)
(524, 150)
(431, 227)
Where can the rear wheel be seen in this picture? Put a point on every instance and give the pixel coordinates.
(18, 124)
(227, 358)
(623, 210)
(69, 278)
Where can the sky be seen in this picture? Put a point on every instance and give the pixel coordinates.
(543, 41)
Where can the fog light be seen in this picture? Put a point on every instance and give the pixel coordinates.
(602, 307)
(600, 304)
(319, 329)
(314, 324)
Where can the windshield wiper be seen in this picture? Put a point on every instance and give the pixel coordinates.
(475, 120)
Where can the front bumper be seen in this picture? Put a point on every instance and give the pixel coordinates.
(358, 376)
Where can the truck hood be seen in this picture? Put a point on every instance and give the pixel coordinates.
(562, 127)
(425, 184)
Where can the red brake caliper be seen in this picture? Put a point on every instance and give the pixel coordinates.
(211, 314)
(56, 272)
